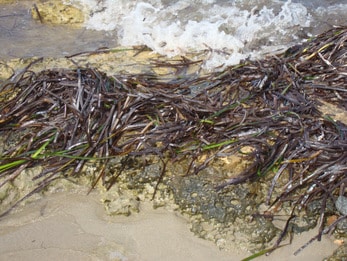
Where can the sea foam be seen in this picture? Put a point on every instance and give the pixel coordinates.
(230, 30)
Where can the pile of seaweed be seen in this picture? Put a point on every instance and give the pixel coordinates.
(61, 119)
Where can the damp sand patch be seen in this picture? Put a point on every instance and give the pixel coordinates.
(178, 135)
(75, 227)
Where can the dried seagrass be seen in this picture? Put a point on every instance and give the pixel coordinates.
(67, 117)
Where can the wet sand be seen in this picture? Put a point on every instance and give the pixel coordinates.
(66, 226)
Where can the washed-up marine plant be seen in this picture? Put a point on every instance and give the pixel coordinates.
(62, 118)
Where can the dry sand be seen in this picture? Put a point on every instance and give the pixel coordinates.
(65, 226)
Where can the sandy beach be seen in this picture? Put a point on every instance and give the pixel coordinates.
(66, 226)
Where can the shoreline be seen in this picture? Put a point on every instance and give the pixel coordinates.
(75, 227)
(45, 217)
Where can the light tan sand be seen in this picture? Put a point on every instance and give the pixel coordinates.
(75, 227)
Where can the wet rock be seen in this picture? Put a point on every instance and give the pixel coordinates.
(339, 254)
(143, 171)
(7, 1)
(341, 205)
(20, 187)
(248, 234)
(195, 196)
(120, 204)
(303, 223)
(315, 206)
(57, 12)
(224, 216)
(260, 232)
(341, 229)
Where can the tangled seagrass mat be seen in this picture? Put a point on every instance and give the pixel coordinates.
(65, 117)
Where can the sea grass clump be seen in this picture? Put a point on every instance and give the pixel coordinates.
(268, 112)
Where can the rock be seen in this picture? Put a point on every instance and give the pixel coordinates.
(56, 12)
(7, 1)
(339, 254)
(341, 205)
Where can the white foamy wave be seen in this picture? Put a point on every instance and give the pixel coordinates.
(177, 27)
(335, 14)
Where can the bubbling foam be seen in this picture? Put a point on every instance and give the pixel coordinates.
(177, 27)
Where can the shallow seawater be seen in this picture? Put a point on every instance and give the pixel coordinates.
(228, 30)
(22, 36)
